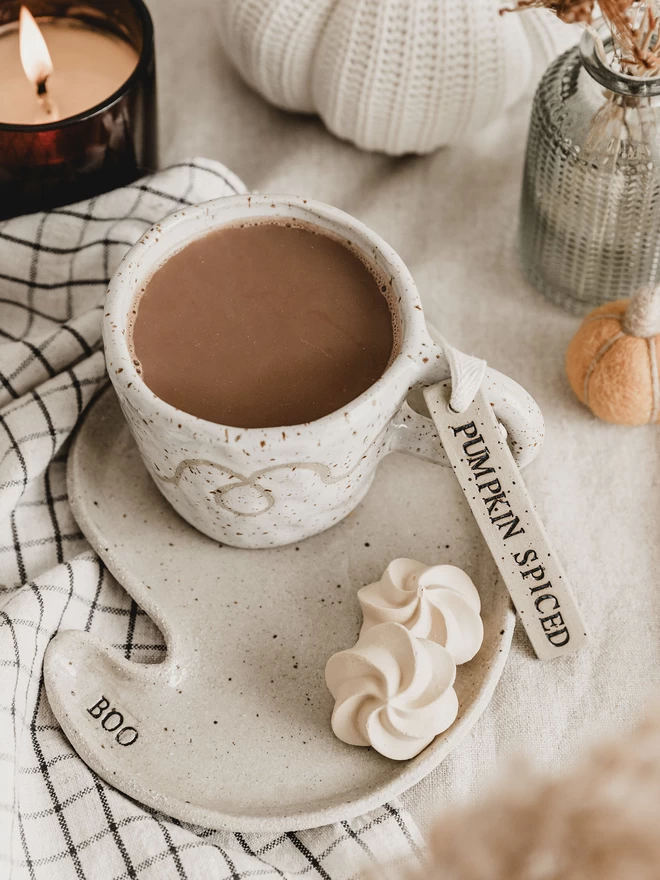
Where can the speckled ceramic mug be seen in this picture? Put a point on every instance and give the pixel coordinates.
(263, 487)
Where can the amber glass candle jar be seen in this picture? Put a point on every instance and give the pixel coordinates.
(83, 151)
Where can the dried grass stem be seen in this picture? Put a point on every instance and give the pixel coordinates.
(634, 24)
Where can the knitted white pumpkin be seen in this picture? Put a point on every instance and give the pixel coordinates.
(401, 76)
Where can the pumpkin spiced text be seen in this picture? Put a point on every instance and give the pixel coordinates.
(489, 476)
(502, 517)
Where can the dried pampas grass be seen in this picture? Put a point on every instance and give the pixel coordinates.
(599, 822)
(634, 24)
(570, 11)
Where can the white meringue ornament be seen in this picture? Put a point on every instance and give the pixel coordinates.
(436, 602)
(392, 691)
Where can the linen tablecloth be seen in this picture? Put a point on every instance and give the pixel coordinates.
(58, 819)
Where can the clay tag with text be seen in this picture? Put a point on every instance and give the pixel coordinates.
(491, 481)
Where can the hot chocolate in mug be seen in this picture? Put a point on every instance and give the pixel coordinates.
(264, 487)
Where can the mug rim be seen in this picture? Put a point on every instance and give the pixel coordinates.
(196, 221)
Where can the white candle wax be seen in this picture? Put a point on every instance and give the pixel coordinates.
(88, 66)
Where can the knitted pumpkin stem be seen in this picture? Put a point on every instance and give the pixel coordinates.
(642, 317)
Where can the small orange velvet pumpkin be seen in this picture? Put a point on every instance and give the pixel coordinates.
(612, 361)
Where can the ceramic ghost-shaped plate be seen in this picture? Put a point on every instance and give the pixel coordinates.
(232, 729)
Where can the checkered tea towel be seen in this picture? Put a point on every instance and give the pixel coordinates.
(58, 819)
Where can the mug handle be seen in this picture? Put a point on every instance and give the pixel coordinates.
(517, 412)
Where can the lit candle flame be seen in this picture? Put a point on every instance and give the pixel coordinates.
(35, 56)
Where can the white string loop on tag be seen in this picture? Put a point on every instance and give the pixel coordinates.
(467, 373)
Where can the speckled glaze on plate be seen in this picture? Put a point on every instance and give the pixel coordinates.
(232, 730)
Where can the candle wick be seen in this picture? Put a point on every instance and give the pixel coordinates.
(48, 105)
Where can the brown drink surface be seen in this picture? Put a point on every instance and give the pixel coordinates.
(263, 325)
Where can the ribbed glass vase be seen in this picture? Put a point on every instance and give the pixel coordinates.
(590, 210)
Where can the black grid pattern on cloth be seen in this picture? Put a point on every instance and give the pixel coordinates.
(58, 819)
